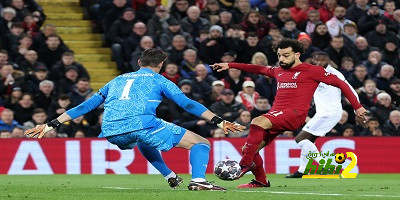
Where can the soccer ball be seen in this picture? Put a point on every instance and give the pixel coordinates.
(227, 170)
(340, 158)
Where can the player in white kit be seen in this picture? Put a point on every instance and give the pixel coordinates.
(328, 105)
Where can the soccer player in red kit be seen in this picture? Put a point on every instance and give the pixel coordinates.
(297, 82)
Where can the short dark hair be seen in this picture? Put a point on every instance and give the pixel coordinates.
(319, 53)
(38, 110)
(67, 53)
(152, 57)
(286, 43)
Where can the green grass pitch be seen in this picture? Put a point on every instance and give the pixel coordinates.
(365, 186)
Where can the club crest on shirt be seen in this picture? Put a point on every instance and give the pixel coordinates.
(295, 75)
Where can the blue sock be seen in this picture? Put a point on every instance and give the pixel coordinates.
(154, 157)
(199, 155)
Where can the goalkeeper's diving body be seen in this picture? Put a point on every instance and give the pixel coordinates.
(129, 119)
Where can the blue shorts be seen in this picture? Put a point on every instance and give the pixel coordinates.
(162, 137)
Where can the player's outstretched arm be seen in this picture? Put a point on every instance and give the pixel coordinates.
(93, 102)
(251, 68)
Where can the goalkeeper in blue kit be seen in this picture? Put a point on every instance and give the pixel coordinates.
(129, 119)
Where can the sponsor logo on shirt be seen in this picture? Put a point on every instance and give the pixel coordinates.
(287, 85)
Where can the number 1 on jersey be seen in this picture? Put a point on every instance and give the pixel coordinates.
(127, 88)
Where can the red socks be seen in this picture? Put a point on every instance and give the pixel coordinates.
(258, 171)
(254, 138)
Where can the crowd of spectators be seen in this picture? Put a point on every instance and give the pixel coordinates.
(41, 79)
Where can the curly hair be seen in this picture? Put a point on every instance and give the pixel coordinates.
(286, 43)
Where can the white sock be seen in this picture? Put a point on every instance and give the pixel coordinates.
(170, 175)
(198, 180)
(306, 147)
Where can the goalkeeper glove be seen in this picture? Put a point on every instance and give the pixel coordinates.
(226, 125)
(40, 130)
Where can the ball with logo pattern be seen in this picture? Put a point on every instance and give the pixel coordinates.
(227, 170)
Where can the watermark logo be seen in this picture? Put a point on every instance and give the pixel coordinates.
(329, 169)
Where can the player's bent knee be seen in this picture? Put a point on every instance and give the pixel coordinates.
(262, 122)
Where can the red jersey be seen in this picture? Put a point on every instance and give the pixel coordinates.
(296, 86)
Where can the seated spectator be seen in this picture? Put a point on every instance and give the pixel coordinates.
(258, 58)
(395, 91)
(299, 11)
(13, 99)
(59, 106)
(248, 96)
(357, 10)
(145, 43)
(337, 51)
(202, 81)
(225, 20)
(159, 22)
(373, 129)
(51, 53)
(390, 55)
(248, 48)
(383, 107)
(24, 109)
(31, 27)
(320, 37)
(71, 127)
(227, 108)
(30, 63)
(211, 11)
(235, 38)
(235, 80)
(305, 39)
(179, 8)
(7, 17)
(392, 126)
(390, 7)
(374, 63)
(39, 41)
(190, 61)
(5, 134)
(7, 121)
(309, 25)
(347, 67)
(255, 22)
(358, 77)
(33, 81)
(17, 132)
(327, 10)
(384, 77)
(39, 117)
(348, 131)
(45, 95)
(67, 59)
(123, 50)
(289, 29)
(146, 10)
(175, 52)
(350, 35)
(171, 72)
(241, 8)
(217, 87)
(25, 44)
(80, 133)
(80, 91)
(65, 84)
(212, 49)
(8, 79)
(266, 87)
(270, 11)
(112, 14)
(379, 36)
(362, 49)
(174, 28)
(262, 106)
(193, 23)
(373, 18)
(368, 94)
(336, 24)
(283, 15)
(10, 40)
(244, 119)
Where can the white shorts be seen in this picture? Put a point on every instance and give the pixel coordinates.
(321, 124)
